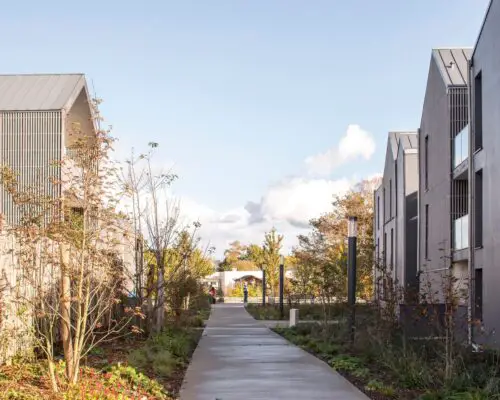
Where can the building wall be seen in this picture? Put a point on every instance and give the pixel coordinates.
(435, 126)
(79, 120)
(397, 227)
(226, 278)
(29, 142)
(410, 240)
(486, 59)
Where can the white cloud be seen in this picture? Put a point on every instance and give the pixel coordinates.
(356, 143)
(296, 201)
(287, 205)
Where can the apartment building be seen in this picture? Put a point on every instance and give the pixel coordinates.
(484, 173)
(443, 178)
(395, 216)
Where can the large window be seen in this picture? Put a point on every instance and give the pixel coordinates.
(478, 112)
(478, 206)
(461, 147)
(426, 162)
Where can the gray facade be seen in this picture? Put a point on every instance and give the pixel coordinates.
(484, 164)
(38, 114)
(443, 184)
(395, 216)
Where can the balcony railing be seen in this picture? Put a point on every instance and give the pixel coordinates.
(461, 147)
(461, 233)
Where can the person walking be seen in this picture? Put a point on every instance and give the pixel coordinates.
(212, 295)
(245, 293)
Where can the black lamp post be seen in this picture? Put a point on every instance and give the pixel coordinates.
(352, 228)
(263, 285)
(282, 285)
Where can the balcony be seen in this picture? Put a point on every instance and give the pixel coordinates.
(461, 233)
(461, 147)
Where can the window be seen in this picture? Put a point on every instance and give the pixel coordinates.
(478, 112)
(384, 251)
(378, 212)
(396, 189)
(478, 294)
(390, 198)
(383, 204)
(426, 162)
(478, 206)
(427, 231)
(392, 247)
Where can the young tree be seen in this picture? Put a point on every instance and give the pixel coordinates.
(65, 238)
(170, 244)
(324, 249)
(271, 259)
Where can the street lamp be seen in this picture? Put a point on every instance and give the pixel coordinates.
(352, 233)
(282, 284)
(263, 285)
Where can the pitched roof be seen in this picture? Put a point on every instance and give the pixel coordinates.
(39, 91)
(406, 139)
(453, 64)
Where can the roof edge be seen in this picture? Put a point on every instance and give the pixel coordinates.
(45, 74)
(482, 28)
(435, 53)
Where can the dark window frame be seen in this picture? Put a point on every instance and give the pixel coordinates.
(478, 111)
(426, 162)
(426, 243)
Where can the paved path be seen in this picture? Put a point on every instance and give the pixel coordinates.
(239, 358)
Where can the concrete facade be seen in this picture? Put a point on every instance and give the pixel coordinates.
(395, 216)
(442, 210)
(485, 166)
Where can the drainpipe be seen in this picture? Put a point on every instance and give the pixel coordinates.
(471, 200)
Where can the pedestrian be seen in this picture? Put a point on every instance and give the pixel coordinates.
(212, 295)
(245, 293)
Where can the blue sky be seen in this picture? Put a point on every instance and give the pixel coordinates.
(239, 93)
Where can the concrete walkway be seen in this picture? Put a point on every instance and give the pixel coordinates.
(238, 358)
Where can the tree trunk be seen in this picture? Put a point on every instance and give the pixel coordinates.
(52, 376)
(65, 308)
(160, 305)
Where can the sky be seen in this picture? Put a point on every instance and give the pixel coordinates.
(264, 108)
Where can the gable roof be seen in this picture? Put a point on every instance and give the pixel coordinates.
(406, 139)
(452, 63)
(40, 91)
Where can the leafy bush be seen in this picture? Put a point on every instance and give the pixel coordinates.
(13, 394)
(377, 386)
(164, 352)
(130, 376)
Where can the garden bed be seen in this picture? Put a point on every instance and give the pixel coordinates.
(393, 370)
(126, 369)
